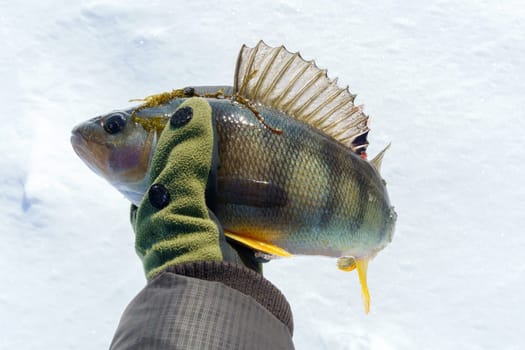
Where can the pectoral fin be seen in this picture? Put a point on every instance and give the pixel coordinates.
(264, 247)
(349, 263)
(252, 193)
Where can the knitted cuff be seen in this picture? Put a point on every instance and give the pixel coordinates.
(243, 280)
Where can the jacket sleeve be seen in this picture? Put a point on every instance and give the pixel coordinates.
(206, 305)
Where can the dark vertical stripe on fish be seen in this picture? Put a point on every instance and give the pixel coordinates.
(385, 218)
(335, 197)
(363, 196)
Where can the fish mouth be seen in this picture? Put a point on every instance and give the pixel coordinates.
(79, 144)
(92, 154)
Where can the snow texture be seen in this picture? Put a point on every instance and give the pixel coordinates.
(441, 79)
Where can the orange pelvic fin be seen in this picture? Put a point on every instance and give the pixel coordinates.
(264, 247)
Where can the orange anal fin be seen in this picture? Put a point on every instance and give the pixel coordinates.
(362, 267)
(264, 247)
(349, 263)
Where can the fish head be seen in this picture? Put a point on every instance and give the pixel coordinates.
(119, 148)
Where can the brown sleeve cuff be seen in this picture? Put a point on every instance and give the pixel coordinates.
(243, 280)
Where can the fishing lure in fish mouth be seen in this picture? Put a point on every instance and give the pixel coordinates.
(294, 176)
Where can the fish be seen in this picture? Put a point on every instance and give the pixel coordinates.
(294, 176)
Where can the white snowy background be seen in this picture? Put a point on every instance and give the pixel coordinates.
(443, 80)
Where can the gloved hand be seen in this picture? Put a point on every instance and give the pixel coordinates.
(174, 224)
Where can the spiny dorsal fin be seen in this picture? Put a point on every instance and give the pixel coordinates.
(376, 162)
(283, 80)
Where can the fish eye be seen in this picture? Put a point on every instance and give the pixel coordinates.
(115, 123)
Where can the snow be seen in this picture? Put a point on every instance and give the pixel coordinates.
(442, 80)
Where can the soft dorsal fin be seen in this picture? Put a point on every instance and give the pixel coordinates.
(376, 162)
(280, 79)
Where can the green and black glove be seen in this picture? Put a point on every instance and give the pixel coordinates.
(174, 224)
